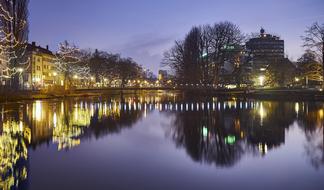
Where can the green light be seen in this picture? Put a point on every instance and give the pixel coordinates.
(204, 55)
(228, 47)
(205, 131)
(230, 140)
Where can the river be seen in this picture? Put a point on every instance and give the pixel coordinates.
(161, 141)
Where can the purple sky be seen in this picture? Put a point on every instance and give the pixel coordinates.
(144, 29)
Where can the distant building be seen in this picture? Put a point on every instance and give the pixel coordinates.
(41, 72)
(265, 49)
(163, 75)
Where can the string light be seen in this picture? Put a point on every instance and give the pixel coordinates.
(13, 57)
(67, 62)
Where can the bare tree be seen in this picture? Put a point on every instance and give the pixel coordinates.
(127, 69)
(198, 58)
(174, 59)
(314, 40)
(311, 70)
(68, 62)
(13, 39)
(223, 35)
(101, 65)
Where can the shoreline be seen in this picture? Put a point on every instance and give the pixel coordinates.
(262, 94)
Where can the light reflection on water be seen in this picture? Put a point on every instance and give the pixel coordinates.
(214, 133)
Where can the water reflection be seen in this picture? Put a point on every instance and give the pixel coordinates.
(212, 131)
(222, 136)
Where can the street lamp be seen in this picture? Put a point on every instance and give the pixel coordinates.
(21, 80)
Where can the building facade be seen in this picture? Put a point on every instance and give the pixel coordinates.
(41, 72)
(265, 49)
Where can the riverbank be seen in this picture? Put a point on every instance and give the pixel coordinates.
(37, 95)
(271, 94)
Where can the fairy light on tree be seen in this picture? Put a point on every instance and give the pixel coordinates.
(68, 62)
(13, 40)
(314, 40)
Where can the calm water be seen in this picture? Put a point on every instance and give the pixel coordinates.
(161, 142)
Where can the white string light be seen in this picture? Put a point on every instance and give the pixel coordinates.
(12, 47)
(68, 60)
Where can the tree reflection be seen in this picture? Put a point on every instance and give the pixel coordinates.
(224, 135)
(312, 121)
(204, 138)
(212, 131)
(14, 139)
(63, 123)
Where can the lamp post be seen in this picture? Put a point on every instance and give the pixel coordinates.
(21, 80)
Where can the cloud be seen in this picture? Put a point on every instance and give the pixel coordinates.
(146, 49)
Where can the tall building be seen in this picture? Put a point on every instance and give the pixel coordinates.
(265, 49)
(41, 72)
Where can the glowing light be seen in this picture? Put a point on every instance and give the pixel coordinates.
(263, 148)
(205, 131)
(262, 113)
(205, 54)
(54, 120)
(321, 113)
(261, 80)
(37, 110)
(21, 126)
(20, 70)
(297, 107)
(230, 140)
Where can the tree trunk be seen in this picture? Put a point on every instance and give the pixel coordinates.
(323, 60)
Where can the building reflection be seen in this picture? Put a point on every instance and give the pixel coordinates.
(212, 131)
(221, 136)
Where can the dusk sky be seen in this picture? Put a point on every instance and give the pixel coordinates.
(144, 29)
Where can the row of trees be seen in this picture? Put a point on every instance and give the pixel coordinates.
(97, 67)
(70, 61)
(198, 58)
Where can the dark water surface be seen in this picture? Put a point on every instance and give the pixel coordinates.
(161, 141)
